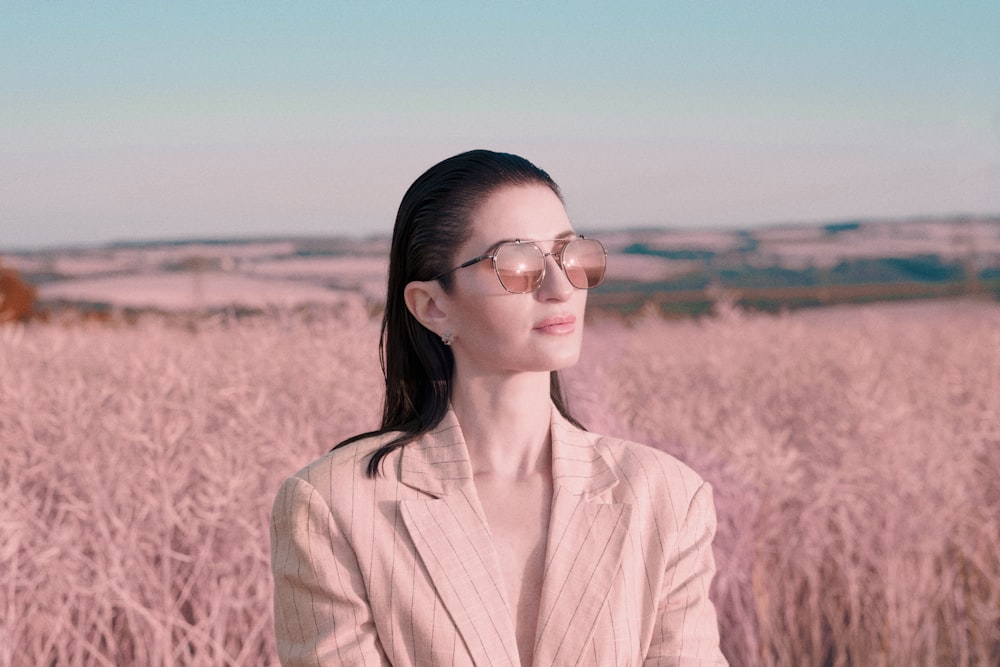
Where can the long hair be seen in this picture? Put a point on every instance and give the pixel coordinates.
(433, 221)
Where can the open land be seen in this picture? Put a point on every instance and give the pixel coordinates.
(681, 272)
(854, 451)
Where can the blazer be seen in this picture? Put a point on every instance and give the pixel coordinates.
(401, 569)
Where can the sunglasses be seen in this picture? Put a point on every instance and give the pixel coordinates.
(520, 265)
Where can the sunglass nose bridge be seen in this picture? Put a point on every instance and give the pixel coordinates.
(556, 255)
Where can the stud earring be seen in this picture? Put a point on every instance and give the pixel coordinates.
(448, 338)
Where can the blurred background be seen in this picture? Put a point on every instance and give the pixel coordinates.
(214, 185)
(132, 133)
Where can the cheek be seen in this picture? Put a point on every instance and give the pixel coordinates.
(494, 324)
(496, 320)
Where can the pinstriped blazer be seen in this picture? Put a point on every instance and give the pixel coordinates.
(402, 570)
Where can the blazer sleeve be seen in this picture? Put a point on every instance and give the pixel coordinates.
(687, 630)
(321, 611)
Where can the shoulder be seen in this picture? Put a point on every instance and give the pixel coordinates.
(634, 457)
(342, 472)
(623, 464)
(647, 475)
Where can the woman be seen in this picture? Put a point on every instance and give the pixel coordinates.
(481, 525)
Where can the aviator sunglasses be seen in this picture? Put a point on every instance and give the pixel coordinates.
(520, 264)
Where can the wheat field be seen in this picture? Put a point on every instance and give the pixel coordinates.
(855, 455)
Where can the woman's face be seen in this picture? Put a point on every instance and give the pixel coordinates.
(494, 330)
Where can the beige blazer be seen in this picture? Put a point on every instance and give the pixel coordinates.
(402, 570)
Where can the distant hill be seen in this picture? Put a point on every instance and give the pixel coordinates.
(682, 271)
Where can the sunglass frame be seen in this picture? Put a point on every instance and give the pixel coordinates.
(559, 256)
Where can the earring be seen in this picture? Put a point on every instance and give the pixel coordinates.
(448, 338)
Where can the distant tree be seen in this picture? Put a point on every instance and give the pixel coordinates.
(17, 298)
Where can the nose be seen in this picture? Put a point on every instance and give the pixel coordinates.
(555, 286)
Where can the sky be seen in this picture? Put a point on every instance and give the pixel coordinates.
(159, 121)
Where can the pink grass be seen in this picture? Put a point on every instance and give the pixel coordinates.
(855, 455)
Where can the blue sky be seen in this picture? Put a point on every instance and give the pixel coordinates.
(171, 120)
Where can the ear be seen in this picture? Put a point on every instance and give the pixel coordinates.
(427, 302)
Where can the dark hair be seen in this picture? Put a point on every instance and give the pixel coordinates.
(433, 221)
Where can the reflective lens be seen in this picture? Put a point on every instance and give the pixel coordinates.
(521, 266)
(584, 262)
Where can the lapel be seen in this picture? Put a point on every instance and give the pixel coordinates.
(586, 543)
(584, 551)
(453, 542)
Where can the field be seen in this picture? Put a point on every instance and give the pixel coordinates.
(855, 454)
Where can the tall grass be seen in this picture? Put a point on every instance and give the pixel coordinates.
(855, 455)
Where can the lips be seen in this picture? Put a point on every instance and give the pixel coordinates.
(559, 324)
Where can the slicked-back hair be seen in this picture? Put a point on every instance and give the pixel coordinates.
(434, 220)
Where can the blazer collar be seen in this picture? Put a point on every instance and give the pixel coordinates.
(438, 462)
(586, 543)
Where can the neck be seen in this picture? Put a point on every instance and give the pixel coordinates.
(505, 422)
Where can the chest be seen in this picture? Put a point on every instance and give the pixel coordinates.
(499, 576)
(517, 515)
